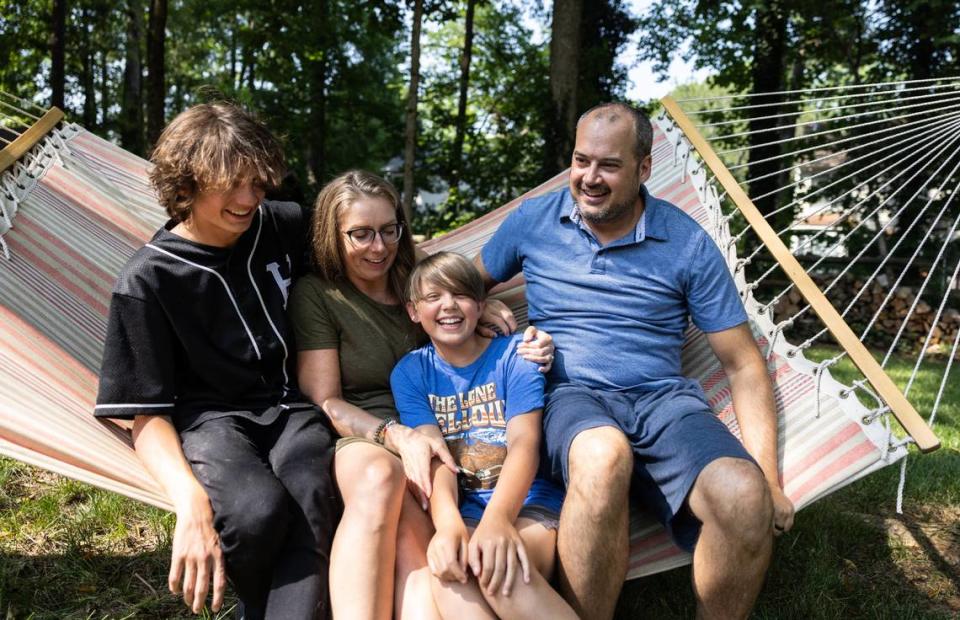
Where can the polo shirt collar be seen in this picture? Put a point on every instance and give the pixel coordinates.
(655, 213)
(650, 224)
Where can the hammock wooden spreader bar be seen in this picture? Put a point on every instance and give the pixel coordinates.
(881, 382)
(28, 139)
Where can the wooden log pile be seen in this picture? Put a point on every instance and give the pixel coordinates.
(894, 316)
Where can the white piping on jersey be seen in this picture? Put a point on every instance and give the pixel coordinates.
(253, 282)
(135, 406)
(256, 349)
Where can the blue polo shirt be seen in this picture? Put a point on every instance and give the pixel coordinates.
(617, 313)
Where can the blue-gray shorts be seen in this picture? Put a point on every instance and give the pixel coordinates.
(674, 435)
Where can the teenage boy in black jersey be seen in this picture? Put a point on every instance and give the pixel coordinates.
(199, 355)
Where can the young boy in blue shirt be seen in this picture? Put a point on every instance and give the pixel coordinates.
(493, 551)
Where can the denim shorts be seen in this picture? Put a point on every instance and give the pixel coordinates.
(545, 516)
(542, 503)
(673, 432)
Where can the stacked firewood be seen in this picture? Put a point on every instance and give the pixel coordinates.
(894, 316)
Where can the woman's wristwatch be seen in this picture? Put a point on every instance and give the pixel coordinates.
(380, 434)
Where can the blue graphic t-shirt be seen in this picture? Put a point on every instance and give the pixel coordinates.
(472, 406)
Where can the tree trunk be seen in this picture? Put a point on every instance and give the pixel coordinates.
(769, 66)
(58, 27)
(179, 101)
(89, 92)
(564, 68)
(104, 89)
(923, 50)
(156, 72)
(233, 53)
(87, 78)
(410, 134)
(317, 123)
(856, 57)
(316, 159)
(131, 114)
(248, 65)
(456, 153)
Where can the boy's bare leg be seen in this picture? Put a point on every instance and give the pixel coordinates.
(593, 541)
(461, 601)
(732, 499)
(413, 592)
(536, 599)
(372, 483)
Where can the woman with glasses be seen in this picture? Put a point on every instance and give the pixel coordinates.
(351, 328)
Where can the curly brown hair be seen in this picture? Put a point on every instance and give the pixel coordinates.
(327, 242)
(212, 147)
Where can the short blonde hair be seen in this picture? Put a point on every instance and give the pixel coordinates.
(448, 271)
(212, 147)
(327, 242)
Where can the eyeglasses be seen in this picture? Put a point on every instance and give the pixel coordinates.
(362, 237)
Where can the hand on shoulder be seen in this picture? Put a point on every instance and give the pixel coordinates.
(536, 346)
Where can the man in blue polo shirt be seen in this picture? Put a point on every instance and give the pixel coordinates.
(615, 274)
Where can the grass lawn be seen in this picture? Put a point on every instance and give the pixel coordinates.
(70, 551)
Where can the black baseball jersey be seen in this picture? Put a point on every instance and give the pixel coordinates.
(197, 331)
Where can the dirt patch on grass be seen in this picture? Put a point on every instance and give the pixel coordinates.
(926, 541)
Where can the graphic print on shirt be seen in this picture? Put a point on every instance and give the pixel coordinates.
(282, 283)
(474, 426)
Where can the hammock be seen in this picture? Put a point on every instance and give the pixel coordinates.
(82, 206)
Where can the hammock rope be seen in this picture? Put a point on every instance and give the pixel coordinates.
(845, 216)
(809, 112)
(877, 86)
(868, 196)
(834, 119)
(892, 129)
(829, 203)
(825, 132)
(932, 133)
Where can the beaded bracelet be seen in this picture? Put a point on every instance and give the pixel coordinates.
(380, 434)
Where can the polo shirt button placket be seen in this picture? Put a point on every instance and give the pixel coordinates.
(599, 262)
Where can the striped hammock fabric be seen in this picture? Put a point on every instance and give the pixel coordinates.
(77, 207)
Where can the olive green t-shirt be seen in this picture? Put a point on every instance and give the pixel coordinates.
(370, 337)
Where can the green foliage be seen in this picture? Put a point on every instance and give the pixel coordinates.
(503, 146)
(605, 31)
(723, 36)
(325, 76)
(917, 39)
(23, 40)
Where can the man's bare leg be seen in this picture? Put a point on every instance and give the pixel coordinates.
(732, 500)
(592, 542)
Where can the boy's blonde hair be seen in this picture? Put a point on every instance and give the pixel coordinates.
(327, 241)
(449, 271)
(212, 147)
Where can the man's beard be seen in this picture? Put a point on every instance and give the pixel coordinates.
(611, 213)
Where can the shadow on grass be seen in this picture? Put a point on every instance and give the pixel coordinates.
(839, 563)
(95, 587)
(945, 561)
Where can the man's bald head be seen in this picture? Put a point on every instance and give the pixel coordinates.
(614, 111)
